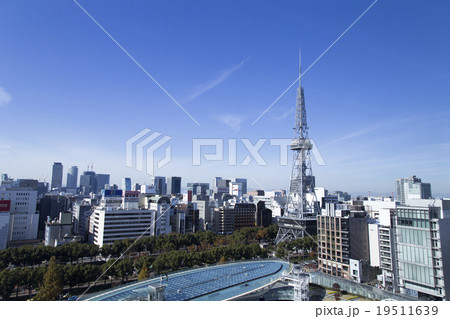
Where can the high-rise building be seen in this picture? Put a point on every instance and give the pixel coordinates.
(42, 189)
(72, 178)
(204, 213)
(88, 182)
(126, 184)
(198, 189)
(49, 207)
(343, 240)
(164, 209)
(263, 214)
(243, 182)
(412, 188)
(5, 207)
(422, 251)
(236, 189)
(23, 217)
(110, 221)
(160, 185)
(58, 231)
(231, 217)
(101, 181)
(174, 185)
(57, 175)
(81, 211)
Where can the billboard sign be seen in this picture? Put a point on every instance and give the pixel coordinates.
(5, 205)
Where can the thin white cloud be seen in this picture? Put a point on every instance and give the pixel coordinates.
(382, 125)
(285, 114)
(230, 120)
(5, 98)
(364, 131)
(223, 75)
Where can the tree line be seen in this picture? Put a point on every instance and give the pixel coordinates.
(30, 256)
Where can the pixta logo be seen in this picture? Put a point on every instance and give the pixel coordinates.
(141, 148)
(283, 145)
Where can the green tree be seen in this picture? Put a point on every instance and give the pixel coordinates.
(52, 285)
(124, 268)
(7, 283)
(72, 275)
(31, 278)
(5, 258)
(144, 272)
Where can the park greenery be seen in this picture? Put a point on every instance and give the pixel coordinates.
(49, 269)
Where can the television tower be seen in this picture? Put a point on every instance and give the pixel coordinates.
(300, 215)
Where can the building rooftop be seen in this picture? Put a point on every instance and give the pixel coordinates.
(210, 283)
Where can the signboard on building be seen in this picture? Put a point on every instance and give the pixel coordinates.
(131, 194)
(221, 189)
(5, 205)
(148, 189)
(112, 193)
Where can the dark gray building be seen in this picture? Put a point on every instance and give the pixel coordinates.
(72, 178)
(101, 181)
(57, 175)
(174, 185)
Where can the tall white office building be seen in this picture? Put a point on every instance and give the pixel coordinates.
(5, 207)
(412, 188)
(118, 218)
(23, 217)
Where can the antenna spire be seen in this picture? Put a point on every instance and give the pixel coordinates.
(300, 67)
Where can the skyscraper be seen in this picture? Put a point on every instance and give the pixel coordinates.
(72, 178)
(126, 184)
(243, 182)
(160, 185)
(88, 182)
(174, 185)
(57, 175)
(412, 188)
(102, 180)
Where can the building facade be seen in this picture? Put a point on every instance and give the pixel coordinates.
(419, 233)
(57, 176)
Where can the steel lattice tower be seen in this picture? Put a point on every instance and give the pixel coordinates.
(300, 214)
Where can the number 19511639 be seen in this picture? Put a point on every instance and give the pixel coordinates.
(407, 310)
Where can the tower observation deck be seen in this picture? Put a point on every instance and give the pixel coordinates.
(300, 214)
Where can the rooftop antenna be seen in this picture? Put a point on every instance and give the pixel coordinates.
(300, 68)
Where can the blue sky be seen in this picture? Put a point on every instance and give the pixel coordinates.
(377, 101)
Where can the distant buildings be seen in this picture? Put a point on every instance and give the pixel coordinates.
(72, 178)
(200, 190)
(412, 188)
(243, 182)
(174, 185)
(57, 175)
(126, 184)
(160, 185)
(234, 216)
(88, 182)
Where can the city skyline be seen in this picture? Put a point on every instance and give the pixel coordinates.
(376, 101)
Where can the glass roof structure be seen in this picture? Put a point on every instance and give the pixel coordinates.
(220, 282)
